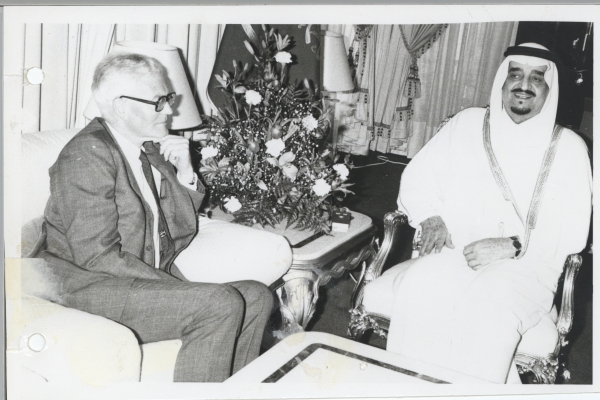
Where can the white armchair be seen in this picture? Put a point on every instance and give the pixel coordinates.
(51, 343)
(539, 348)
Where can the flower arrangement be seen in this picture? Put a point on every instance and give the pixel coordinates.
(265, 158)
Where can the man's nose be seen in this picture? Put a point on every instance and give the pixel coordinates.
(525, 84)
(167, 110)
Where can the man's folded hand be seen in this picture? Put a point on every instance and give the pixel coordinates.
(483, 252)
(434, 235)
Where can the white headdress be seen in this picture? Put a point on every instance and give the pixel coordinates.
(519, 148)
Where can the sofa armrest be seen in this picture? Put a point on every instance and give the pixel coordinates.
(60, 344)
(158, 360)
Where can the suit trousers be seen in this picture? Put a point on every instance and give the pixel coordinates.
(220, 325)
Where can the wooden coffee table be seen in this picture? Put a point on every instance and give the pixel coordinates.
(316, 259)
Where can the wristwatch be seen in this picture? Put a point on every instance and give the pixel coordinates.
(517, 244)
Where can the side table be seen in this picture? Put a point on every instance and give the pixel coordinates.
(316, 258)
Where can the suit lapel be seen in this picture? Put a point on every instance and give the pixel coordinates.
(130, 176)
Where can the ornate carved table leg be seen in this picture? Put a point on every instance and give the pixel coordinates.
(299, 294)
(297, 299)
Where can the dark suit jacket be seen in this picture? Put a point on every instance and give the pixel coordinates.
(99, 228)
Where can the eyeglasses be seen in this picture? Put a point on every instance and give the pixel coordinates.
(158, 104)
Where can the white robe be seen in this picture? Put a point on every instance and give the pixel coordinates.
(471, 321)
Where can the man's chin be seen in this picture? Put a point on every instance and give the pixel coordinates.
(520, 111)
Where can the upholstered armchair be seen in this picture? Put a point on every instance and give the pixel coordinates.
(47, 342)
(539, 348)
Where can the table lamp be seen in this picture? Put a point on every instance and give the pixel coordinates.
(336, 74)
(186, 115)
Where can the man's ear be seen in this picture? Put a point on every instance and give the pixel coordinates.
(119, 107)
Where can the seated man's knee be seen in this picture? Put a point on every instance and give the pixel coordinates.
(224, 300)
(257, 293)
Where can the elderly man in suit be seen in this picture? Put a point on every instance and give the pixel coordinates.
(123, 205)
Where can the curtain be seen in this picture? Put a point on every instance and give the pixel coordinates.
(456, 72)
(382, 69)
(69, 53)
(417, 40)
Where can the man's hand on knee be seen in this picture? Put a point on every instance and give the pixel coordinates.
(483, 252)
(434, 235)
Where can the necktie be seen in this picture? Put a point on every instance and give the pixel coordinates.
(167, 247)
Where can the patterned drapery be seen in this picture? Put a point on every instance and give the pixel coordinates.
(417, 40)
(380, 117)
(382, 68)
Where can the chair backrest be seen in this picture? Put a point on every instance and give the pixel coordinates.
(38, 152)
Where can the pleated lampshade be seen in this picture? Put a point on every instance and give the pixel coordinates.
(185, 113)
(336, 71)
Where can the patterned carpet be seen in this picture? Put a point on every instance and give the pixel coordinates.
(376, 190)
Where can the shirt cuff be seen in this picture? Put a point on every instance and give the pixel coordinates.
(190, 185)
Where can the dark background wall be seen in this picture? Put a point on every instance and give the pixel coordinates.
(573, 41)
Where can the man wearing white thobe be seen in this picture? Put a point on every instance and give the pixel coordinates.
(466, 301)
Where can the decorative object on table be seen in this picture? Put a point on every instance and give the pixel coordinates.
(265, 157)
(187, 115)
(340, 221)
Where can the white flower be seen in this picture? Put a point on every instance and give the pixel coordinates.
(321, 187)
(342, 170)
(310, 123)
(275, 147)
(283, 57)
(209, 151)
(253, 97)
(233, 204)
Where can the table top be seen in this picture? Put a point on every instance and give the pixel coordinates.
(319, 358)
(310, 248)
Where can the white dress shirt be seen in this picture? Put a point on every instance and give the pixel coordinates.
(132, 155)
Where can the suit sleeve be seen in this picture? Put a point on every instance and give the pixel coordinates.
(83, 185)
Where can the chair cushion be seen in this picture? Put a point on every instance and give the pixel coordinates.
(379, 294)
(258, 255)
(158, 360)
(542, 338)
(38, 152)
(63, 345)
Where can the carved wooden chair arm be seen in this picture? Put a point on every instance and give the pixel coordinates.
(565, 317)
(391, 222)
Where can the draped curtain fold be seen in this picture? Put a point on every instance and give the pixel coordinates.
(456, 70)
(69, 53)
(382, 69)
(418, 36)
